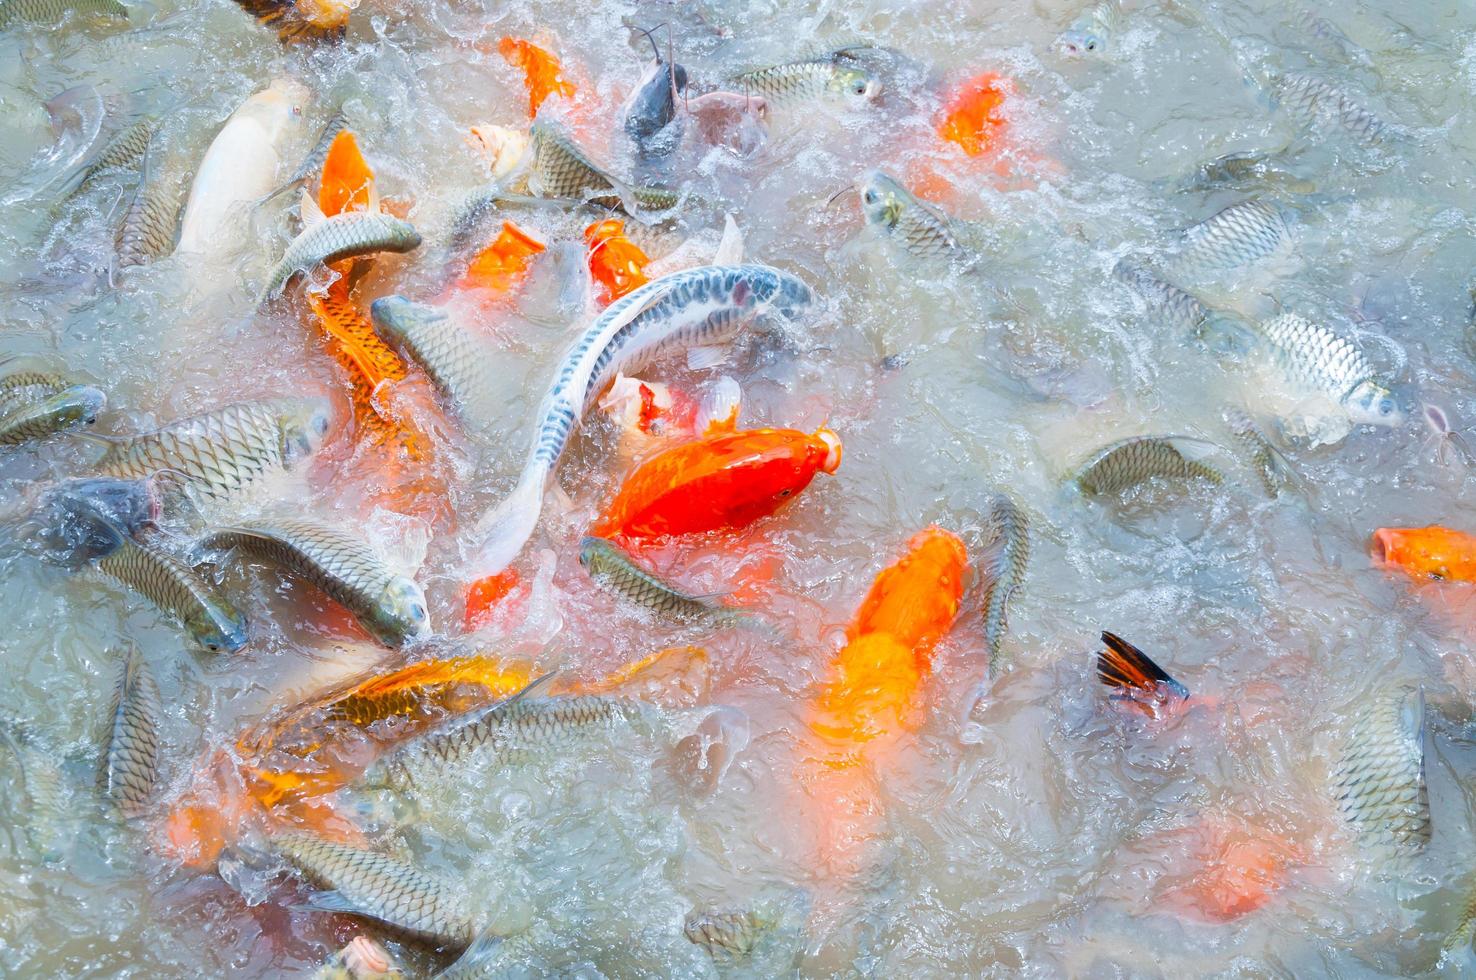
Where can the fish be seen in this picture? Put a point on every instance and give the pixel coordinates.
(377, 886)
(1234, 239)
(558, 167)
(725, 479)
(1248, 170)
(694, 307)
(503, 263)
(916, 598)
(1168, 303)
(221, 452)
(1132, 678)
(131, 757)
(1004, 571)
(144, 566)
(1091, 34)
(1433, 552)
(361, 959)
(148, 227)
(1458, 943)
(1378, 780)
(347, 235)
(1129, 462)
(64, 408)
(1271, 466)
(542, 74)
(1318, 103)
(79, 520)
(239, 169)
(390, 607)
(298, 21)
(13, 12)
(44, 784)
(834, 79)
(1448, 442)
(733, 935)
(653, 105)
(1324, 37)
(1312, 355)
(612, 567)
(455, 361)
(558, 218)
(122, 151)
(915, 227)
(615, 262)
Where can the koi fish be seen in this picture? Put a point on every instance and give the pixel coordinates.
(543, 75)
(347, 182)
(302, 20)
(1133, 679)
(503, 263)
(973, 115)
(615, 262)
(723, 480)
(1427, 552)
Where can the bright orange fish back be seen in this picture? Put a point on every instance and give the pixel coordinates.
(615, 262)
(543, 75)
(723, 480)
(504, 263)
(347, 180)
(973, 115)
(1427, 552)
(916, 600)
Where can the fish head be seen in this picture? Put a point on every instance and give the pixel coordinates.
(772, 292)
(1081, 40)
(400, 614)
(593, 552)
(79, 404)
(305, 426)
(854, 86)
(833, 450)
(217, 627)
(279, 106)
(401, 233)
(1372, 404)
(396, 317)
(883, 199)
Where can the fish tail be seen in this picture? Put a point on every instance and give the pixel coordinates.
(1127, 669)
(754, 622)
(506, 528)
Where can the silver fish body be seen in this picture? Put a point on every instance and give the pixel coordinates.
(175, 588)
(390, 607)
(694, 307)
(915, 227)
(1247, 171)
(378, 886)
(343, 236)
(610, 565)
(1312, 356)
(1136, 460)
(222, 452)
(71, 406)
(47, 819)
(131, 756)
(1379, 777)
(147, 231)
(1004, 570)
(834, 80)
(561, 168)
(760, 937)
(1234, 239)
(1165, 301)
(311, 167)
(1319, 103)
(459, 366)
(1270, 466)
(14, 12)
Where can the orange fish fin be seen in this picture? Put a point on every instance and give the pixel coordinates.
(542, 73)
(498, 266)
(1126, 669)
(347, 182)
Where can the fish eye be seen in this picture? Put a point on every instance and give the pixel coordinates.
(785, 493)
(869, 197)
(417, 611)
(1092, 45)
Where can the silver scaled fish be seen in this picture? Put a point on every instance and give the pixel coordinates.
(390, 607)
(1271, 467)
(148, 229)
(753, 937)
(611, 566)
(456, 363)
(221, 452)
(52, 406)
(697, 307)
(14, 12)
(1167, 303)
(1312, 356)
(835, 78)
(1004, 570)
(377, 886)
(47, 820)
(1090, 35)
(1234, 239)
(1136, 460)
(131, 756)
(174, 587)
(344, 236)
(1317, 102)
(915, 227)
(1379, 778)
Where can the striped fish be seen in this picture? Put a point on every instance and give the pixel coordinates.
(131, 758)
(693, 307)
(1004, 571)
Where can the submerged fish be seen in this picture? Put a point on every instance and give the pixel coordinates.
(361, 959)
(65, 406)
(835, 78)
(120, 152)
(348, 235)
(302, 20)
(915, 227)
(1427, 552)
(734, 935)
(44, 786)
(131, 756)
(1246, 170)
(1234, 239)
(1136, 460)
(174, 587)
(1004, 571)
(1459, 942)
(1272, 468)
(14, 12)
(374, 885)
(725, 479)
(147, 230)
(1316, 102)
(458, 365)
(1133, 679)
(1311, 355)
(695, 307)
(1379, 777)
(77, 521)
(223, 451)
(1165, 301)
(390, 607)
(613, 567)
(1090, 35)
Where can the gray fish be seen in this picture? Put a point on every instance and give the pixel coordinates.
(151, 222)
(834, 79)
(1004, 571)
(1458, 943)
(696, 307)
(311, 167)
(175, 588)
(14, 12)
(1324, 38)
(68, 407)
(652, 106)
(761, 936)
(1234, 239)
(1272, 468)
(1091, 34)
(457, 364)
(47, 818)
(390, 607)
(344, 236)
(131, 756)
(559, 167)
(917, 228)
(612, 567)
(1165, 301)
(569, 219)
(1319, 103)
(1248, 171)
(78, 521)
(1136, 460)
(1379, 778)
(1312, 356)
(121, 152)
(222, 452)
(377, 886)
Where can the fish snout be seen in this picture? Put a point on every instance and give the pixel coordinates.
(834, 451)
(1078, 44)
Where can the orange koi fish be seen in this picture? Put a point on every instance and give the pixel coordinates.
(722, 480)
(1427, 552)
(486, 593)
(302, 20)
(615, 262)
(504, 263)
(1240, 868)
(916, 599)
(347, 180)
(543, 75)
(973, 113)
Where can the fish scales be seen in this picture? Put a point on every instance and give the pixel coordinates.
(147, 231)
(456, 364)
(1313, 355)
(50, 11)
(1315, 101)
(918, 228)
(1135, 460)
(343, 236)
(1270, 466)
(53, 413)
(1379, 777)
(1004, 571)
(1170, 304)
(25, 386)
(733, 933)
(131, 759)
(612, 567)
(382, 887)
(174, 587)
(797, 83)
(1235, 238)
(44, 785)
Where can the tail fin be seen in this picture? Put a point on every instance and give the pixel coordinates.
(1130, 673)
(506, 528)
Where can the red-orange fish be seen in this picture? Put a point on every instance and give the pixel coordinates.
(722, 480)
(615, 262)
(504, 263)
(347, 180)
(916, 599)
(973, 113)
(543, 75)
(1427, 552)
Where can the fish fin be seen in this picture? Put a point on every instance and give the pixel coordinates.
(1191, 448)
(346, 178)
(311, 214)
(705, 357)
(508, 526)
(330, 901)
(486, 945)
(720, 406)
(1126, 669)
(730, 247)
